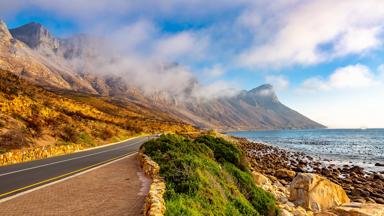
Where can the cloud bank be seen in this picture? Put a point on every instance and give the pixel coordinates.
(348, 77)
(253, 34)
(312, 32)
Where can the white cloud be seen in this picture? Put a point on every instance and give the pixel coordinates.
(133, 37)
(216, 89)
(316, 31)
(180, 45)
(279, 82)
(215, 71)
(314, 83)
(351, 76)
(249, 19)
(351, 97)
(356, 40)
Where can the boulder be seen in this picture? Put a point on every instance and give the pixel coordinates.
(316, 193)
(360, 209)
(260, 179)
(284, 173)
(325, 214)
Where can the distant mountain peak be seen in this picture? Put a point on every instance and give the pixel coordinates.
(262, 87)
(263, 90)
(35, 35)
(33, 24)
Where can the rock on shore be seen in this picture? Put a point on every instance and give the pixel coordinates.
(303, 186)
(360, 186)
(316, 193)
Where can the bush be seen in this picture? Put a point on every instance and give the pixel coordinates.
(14, 138)
(69, 134)
(223, 150)
(206, 176)
(107, 133)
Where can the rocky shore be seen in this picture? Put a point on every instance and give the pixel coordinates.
(282, 165)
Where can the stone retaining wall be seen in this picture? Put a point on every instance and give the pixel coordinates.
(154, 203)
(36, 153)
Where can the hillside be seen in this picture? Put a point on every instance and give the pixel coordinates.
(207, 176)
(33, 116)
(31, 52)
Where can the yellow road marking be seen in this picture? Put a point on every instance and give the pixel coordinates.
(61, 176)
(69, 159)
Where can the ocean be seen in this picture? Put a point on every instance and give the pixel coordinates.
(362, 147)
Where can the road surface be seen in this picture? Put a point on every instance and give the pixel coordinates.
(25, 176)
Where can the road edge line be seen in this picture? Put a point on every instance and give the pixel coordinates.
(63, 179)
(109, 144)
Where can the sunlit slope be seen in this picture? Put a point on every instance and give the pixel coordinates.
(31, 115)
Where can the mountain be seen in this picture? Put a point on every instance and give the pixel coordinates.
(35, 36)
(31, 115)
(32, 52)
(256, 109)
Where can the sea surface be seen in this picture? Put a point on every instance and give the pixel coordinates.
(362, 147)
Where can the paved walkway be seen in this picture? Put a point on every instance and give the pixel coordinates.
(118, 188)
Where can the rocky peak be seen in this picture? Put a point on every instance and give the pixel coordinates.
(265, 91)
(264, 87)
(35, 36)
(4, 32)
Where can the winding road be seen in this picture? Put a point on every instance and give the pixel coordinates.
(21, 177)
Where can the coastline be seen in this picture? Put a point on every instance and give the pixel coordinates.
(358, 147)
(360, 185)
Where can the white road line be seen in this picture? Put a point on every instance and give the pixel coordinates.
(57, 162)
(63, 179)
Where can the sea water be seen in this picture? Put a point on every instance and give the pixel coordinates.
(362, 147)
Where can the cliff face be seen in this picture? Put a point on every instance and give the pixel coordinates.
(32, 52)
(35, 35)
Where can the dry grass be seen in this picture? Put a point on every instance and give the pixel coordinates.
(29, 113)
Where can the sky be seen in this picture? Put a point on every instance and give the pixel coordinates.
(323, 57)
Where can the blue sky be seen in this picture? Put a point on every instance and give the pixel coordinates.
(323, 57)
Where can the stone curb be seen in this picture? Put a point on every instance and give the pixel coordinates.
(154, 202)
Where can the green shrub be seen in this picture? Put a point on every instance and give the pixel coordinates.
(206, 176)
(223, 150)
(260, 199)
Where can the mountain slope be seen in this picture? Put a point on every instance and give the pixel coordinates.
(31, 115)
(32, 52)
(249, 110)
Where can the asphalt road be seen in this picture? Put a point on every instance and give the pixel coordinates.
(25, 176)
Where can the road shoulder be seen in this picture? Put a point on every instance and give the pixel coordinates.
(118, 188)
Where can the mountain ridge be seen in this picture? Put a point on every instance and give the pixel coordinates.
(46, 60)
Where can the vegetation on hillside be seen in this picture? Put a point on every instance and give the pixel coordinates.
(207, 176)
(31, 115)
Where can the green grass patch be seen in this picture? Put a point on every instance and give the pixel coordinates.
(207, 176)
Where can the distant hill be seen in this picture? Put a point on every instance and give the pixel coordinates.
(31, 52)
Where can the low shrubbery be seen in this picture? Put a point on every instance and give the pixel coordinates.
(207, 176)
